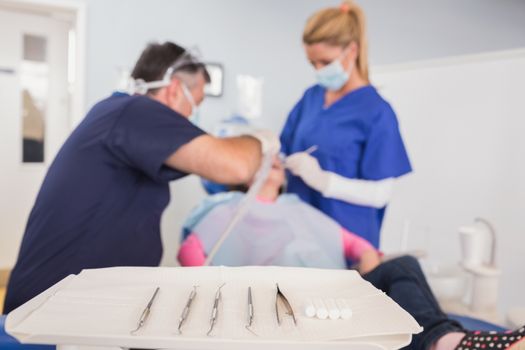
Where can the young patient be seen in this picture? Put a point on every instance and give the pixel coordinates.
(276, 230)
(281, 230)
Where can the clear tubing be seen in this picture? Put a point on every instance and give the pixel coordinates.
(245, 203)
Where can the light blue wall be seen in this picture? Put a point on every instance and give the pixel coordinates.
(262, 38)
(413, 30)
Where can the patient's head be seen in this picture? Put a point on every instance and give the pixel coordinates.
(272, 186)
(276, 176)
(275, 180)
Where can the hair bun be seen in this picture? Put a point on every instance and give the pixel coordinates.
(345, 7)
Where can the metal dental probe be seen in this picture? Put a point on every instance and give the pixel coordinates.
(145, 314)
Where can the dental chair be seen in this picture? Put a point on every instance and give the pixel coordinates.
(7, 342)
(471, 323)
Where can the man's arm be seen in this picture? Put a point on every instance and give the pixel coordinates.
(225, 160)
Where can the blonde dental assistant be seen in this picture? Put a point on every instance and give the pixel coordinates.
(359, 147)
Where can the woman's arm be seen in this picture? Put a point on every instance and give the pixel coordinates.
(370, 193)
(358, 248)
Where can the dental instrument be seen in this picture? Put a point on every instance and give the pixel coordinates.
(250, 311)
(309, 150)
(280, 296)
(250, 307)
(186, 309)
(215, 310)
(145, 314)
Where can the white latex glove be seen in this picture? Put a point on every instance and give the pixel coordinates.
(308, 169)
(270, 142)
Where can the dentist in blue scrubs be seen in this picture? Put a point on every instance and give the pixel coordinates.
(359, 148)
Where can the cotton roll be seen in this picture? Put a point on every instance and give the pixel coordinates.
(333, 310)
(309, 308)
(321, 310)
(344, 309)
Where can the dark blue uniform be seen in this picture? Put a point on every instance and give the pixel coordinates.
(102, 199)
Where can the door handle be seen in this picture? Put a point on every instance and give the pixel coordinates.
(6, 70)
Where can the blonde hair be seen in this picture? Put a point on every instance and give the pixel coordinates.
(339, 27)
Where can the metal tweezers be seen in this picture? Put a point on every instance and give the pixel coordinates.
(145, 314)
(250, 311)
(215, 310)
(280, 296)
(186, 309)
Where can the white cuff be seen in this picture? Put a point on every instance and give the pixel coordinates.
(369, 193)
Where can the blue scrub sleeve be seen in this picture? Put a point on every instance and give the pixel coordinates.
(146, 134)
(384, 154)
(289, 128)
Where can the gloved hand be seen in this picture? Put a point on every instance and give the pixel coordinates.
(270, 142)
(308, 169)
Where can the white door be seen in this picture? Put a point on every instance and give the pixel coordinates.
(34, 114)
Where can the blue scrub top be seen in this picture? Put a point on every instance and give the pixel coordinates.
(102, 199)
(357, 137)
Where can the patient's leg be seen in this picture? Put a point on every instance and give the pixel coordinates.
(402, 279)
(480, 340)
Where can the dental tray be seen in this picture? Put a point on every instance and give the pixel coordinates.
(100, 307)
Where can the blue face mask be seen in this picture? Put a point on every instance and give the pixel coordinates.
(195, 117)
(332, 76)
